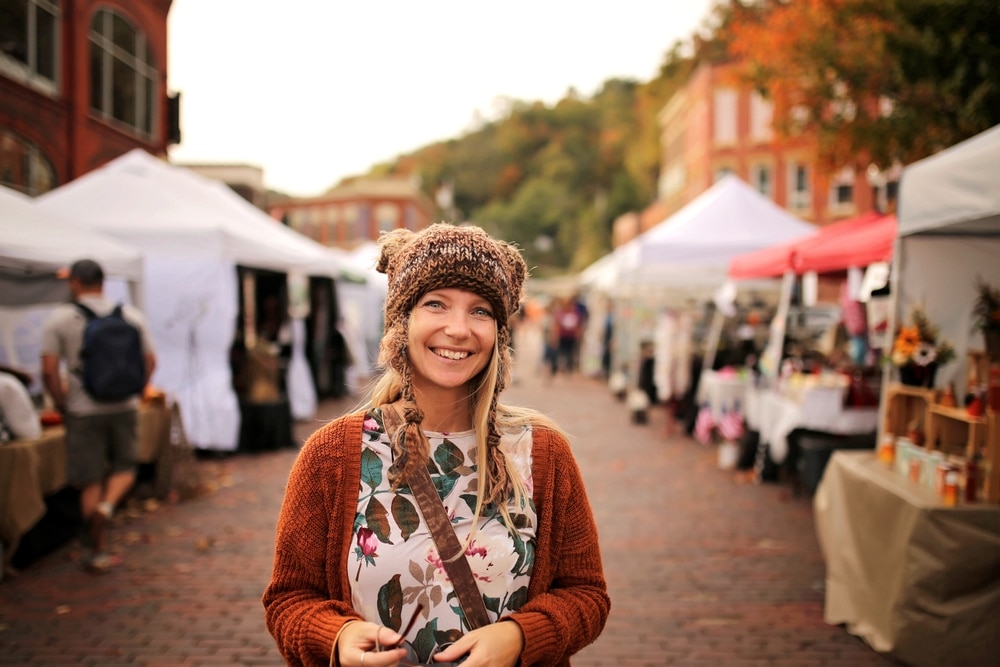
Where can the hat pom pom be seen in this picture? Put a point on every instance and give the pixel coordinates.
(390, 243)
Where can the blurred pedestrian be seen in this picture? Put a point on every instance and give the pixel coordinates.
(569, 331)
(102, 435)
(506, 501)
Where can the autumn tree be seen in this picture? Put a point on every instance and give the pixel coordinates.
(879, 80)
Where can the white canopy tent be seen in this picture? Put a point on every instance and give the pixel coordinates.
(949, 234)
(35, 241)
(684, 260)
(34, 245)
(688, 254)
(193, 232)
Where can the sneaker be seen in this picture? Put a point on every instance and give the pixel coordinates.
(100, 563)
(106, 509)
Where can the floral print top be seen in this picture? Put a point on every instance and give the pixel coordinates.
(397, 565)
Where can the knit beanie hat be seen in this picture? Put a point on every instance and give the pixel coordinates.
(448, 256)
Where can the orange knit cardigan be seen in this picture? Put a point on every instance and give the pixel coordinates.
(309, 597)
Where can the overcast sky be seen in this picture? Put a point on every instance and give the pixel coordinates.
(315, 90)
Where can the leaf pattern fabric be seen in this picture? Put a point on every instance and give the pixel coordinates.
(397, 565)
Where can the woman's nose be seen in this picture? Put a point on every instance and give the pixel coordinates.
(457, 324)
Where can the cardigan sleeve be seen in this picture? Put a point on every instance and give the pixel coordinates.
(568, 602)
(305, 602)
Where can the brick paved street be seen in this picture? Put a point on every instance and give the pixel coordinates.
(703, 569)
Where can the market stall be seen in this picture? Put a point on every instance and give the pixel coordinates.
(33, 470)
(202, 244)
(679, 265)
(912, 539)
(785, 401)
(915, 579)
(34, 245)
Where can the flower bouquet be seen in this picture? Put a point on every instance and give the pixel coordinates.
(919, 349)
(986, 317)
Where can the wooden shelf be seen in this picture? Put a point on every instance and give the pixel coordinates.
(904, 404)
(954, 429)
(951, 430)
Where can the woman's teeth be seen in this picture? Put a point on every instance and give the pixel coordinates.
(451, 354)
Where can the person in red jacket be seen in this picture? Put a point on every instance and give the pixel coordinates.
(357, 578)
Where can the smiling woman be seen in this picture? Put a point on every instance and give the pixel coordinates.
(468, 515)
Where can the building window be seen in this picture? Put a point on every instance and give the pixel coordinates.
(29, 42)
(387, 217)
(842, 191)
(760, 175)
(23, 166)
(761, 118)
(351, 216)
(332, 220)
(122, 74)
(725, 116)
(798, 187)
(296, 219)
(364, 222)
(891, 195)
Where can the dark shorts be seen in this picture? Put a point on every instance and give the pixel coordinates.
(98, 445)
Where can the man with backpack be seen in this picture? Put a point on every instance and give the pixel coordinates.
(107, 354)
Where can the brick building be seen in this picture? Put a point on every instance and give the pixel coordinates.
(358, 210)
(81, 82)
(713, 126)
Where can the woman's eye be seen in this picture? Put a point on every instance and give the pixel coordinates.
(483, 312)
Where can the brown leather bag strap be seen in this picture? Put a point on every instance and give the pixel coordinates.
(439, 525)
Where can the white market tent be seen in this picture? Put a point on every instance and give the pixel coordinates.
(949, 234)
(689, 252)
(193, 232)
(34, 245)
(686, 257)
(36, 241)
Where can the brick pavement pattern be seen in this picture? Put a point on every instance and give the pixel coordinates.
(702, 569)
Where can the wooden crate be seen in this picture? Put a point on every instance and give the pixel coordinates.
(904, 404)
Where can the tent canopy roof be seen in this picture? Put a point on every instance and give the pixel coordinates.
(33, 239)
(167, 209)
(693, 247)
(855, 242)
(727, 219)
(954, 191)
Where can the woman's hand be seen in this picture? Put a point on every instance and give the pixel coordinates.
(495, 645)
(363, 644)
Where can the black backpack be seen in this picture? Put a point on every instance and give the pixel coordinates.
(114, 367)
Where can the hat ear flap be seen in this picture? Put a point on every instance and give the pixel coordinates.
(390, 243)
(517, 270)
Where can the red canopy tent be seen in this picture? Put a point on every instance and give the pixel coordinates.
(769, 262)
(857, 241)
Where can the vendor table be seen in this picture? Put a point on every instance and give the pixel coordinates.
(913, 578)
(30, 470)
(775, 415)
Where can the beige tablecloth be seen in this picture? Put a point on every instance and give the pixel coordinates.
(29, 471)
(913, 578)
(33, 469)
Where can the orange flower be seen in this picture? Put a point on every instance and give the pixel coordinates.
(907, 341)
